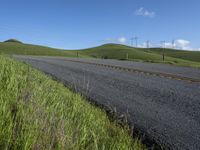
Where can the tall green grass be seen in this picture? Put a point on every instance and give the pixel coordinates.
(39, 113)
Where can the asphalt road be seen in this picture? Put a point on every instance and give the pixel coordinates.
(164, 108)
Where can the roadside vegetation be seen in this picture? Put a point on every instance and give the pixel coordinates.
(39, 113)
(108, 51)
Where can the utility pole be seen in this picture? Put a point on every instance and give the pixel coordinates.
(147, 44)
(173, 44)
(136, 41)
(163, 49)
(132, 39)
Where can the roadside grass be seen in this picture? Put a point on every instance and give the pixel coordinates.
(39, 113)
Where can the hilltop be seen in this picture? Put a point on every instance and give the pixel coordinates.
(13, 41)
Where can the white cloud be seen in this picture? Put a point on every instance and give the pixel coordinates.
(145, 13)
(122, 40)
(143, 45)
(168, 45)
(182, 44)
(179, 44)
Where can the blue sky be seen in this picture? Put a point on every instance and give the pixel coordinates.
(74, 24)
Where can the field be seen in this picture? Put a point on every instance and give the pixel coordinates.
(39, 113)
(109, 51)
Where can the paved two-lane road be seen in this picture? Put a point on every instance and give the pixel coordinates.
(162, 101)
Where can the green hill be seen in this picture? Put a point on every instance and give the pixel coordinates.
(116, 51)
(182, 54)
(10, 47)
(107, 51)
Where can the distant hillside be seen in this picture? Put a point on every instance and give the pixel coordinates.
(182, 54)
(10, 47)
(117, 51)
(107, 51)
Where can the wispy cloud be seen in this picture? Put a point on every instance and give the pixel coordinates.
(120, 40)
(145, 13)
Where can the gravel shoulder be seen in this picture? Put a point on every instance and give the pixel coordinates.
(165, 109)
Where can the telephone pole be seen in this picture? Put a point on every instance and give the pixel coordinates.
(147, 45)
(173, 44)
(163, 49)
(136, 41)
(132, 39)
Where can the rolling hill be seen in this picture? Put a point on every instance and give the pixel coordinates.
(107, 51)
(182, 54)
(154, 55)
(19, 48)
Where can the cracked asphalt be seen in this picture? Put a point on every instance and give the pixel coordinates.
(166, 110)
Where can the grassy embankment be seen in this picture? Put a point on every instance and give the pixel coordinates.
(39, 113)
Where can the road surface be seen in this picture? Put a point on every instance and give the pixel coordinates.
(162, 101)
